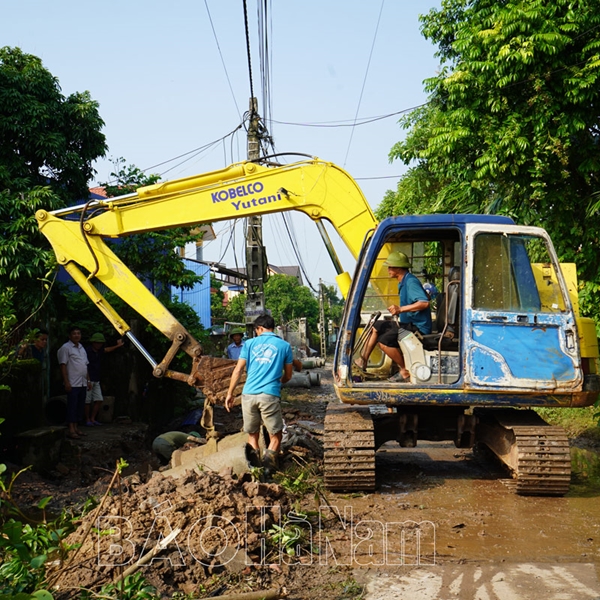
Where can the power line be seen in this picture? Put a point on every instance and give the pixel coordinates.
(353, 122)
(231, 232)
(367, 120)
(248, 48)
(381, 177)
(364, 80)
(222, 60)
(265, 26)
(212, 145)
(194, 151)
(297, 254)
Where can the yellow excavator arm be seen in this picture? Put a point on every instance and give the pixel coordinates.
(320, 189)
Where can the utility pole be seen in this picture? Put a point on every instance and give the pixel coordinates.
(255, 252)
(322, 324)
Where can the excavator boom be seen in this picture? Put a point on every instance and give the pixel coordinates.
(319, 189)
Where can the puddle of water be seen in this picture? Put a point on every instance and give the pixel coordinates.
(477, 517)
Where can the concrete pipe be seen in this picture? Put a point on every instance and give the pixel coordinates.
(196, 459)
(313, 363)
(298, 380)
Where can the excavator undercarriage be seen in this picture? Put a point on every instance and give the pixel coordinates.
(536, 454)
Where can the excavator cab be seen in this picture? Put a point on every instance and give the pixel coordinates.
(503, 319)
(432, 257)
(506, 337)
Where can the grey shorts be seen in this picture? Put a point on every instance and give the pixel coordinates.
(262, 407)
(94, 394)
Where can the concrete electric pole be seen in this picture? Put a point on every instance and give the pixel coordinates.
(255, 252)
(322, 323)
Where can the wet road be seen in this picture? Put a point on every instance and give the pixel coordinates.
(478, 539)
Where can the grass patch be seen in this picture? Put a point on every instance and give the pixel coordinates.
(575, 421)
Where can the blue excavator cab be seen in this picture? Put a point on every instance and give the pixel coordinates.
(507, 336)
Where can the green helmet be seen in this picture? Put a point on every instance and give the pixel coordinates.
(397, 259)
(237, 330)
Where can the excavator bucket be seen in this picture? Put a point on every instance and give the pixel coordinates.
(230, 451)
(215, 375)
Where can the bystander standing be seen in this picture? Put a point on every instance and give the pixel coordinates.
(73, 362)
(235, 348)
(94, 398)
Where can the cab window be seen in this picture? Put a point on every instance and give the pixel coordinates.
(514, 273)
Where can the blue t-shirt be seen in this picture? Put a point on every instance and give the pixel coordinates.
(265, 357)
(410, 291)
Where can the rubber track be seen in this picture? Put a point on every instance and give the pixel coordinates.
(544, 461)
(349, 442)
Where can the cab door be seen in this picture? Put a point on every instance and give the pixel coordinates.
(519, 327)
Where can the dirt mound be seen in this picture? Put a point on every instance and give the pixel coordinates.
(221, 525)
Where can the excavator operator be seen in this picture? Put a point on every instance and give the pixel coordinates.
(414, 314)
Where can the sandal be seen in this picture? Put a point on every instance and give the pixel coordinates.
(73, 436)
(397, 378)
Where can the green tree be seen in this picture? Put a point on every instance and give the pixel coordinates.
(288, 300)
(511, 126)
(48, 143)
(334, 305)
(218, 312)
(236, 309)
(153, 257)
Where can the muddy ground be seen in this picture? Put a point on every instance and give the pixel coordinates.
(444, 523)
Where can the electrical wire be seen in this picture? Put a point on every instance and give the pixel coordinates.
(298, 257)
(195, 150)
(264, 34)
(210, 147)
(351, 122)
(231, 234)
(381, 177)
(247, 29)
(281, 245)
(367, 120)
(364, 81)
(222, 59)
(204, 148)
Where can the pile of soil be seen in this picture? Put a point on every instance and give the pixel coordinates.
(226, 541)
(227, 525)
(224, 526)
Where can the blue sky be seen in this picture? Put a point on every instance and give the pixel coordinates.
(156, 71)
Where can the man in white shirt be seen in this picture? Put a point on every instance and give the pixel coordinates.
(73, 362)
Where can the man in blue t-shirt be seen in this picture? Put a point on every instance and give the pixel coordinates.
(413, 313)
(265, 358)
